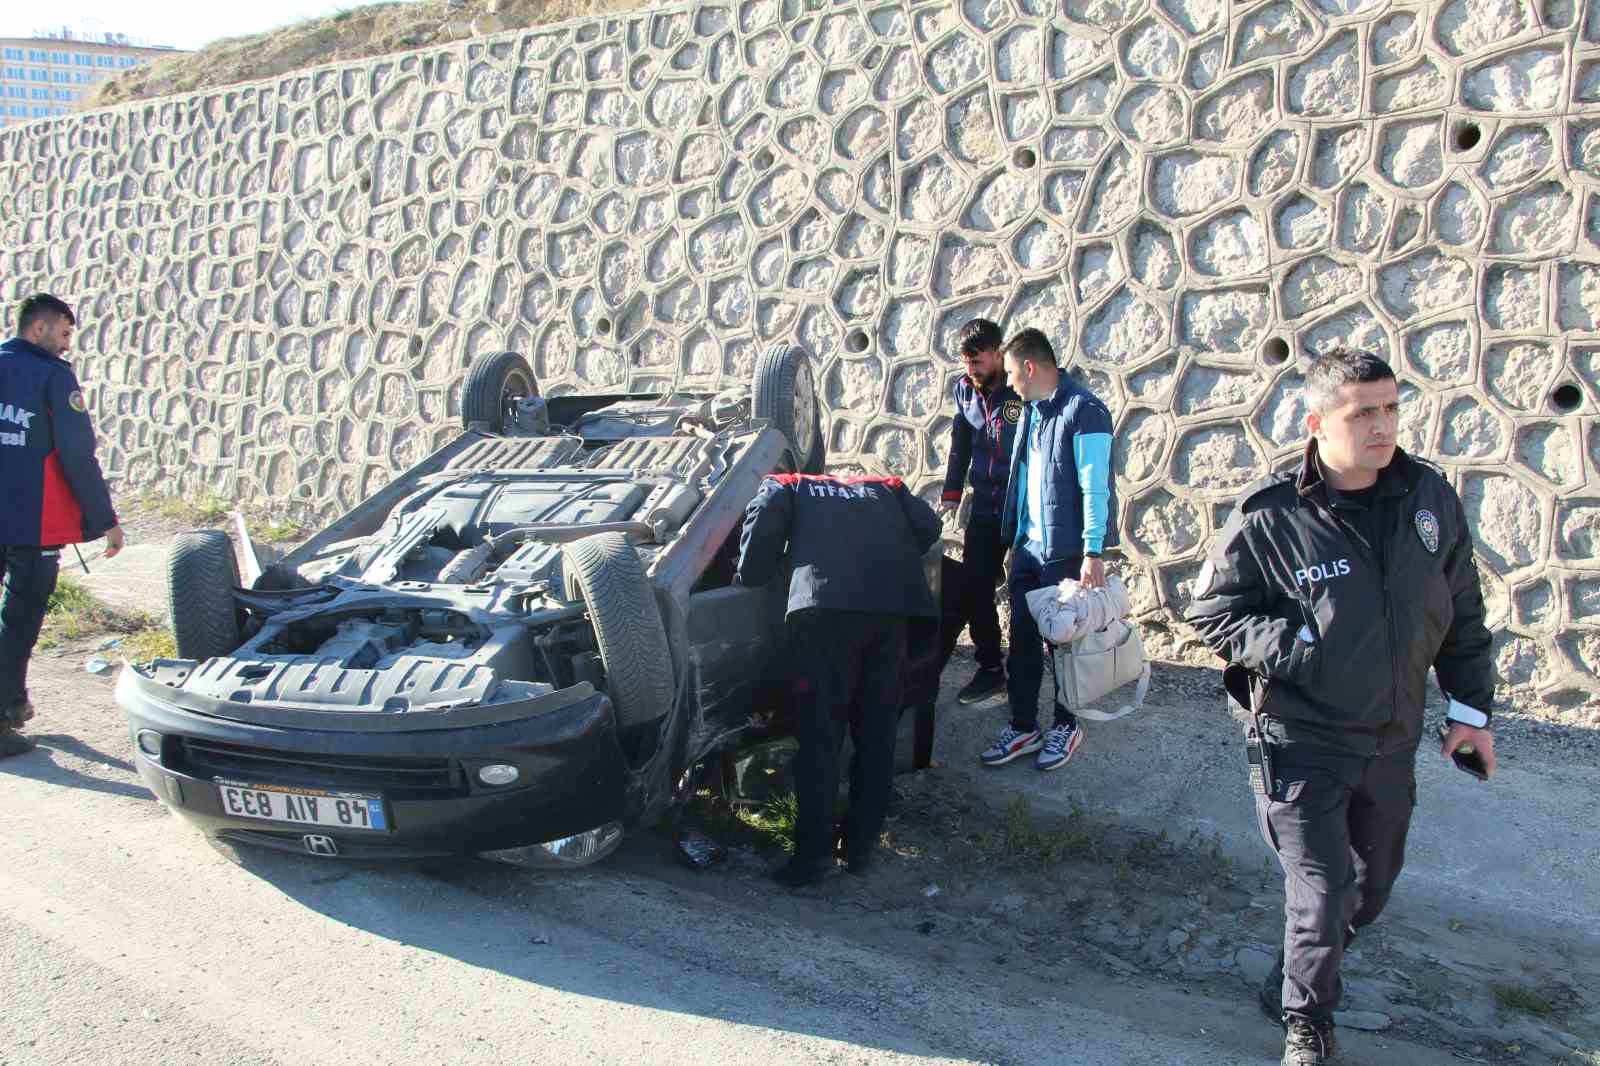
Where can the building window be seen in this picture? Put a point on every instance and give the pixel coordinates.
(41, 94)
(105, 61)
(18, 111)
(83, 79)
(40, 112)
(38, 75)
(65, 95)
(16, 92)
(60, 57)
(83, 60)
(61, 77)
(13, 53)
(16, 72)
(37, 56)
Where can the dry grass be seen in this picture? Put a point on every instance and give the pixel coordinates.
(347, 35)
(208, 508)
(74, 613)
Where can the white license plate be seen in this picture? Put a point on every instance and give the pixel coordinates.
(304, 806)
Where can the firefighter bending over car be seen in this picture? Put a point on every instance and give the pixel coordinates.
(855, 546)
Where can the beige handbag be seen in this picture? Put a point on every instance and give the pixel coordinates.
(1090, 668)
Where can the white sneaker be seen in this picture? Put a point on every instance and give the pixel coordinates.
(1011, 744)
(1059, 746)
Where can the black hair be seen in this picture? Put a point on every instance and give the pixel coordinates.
(40, 305)
(980, 335)
(1337, 367)
(1031, 346)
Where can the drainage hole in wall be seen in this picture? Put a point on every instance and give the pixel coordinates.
(857, 341)
(1566, 397)
(603, 326)
(1275, 350)
(1466, 136)
(1024, 158)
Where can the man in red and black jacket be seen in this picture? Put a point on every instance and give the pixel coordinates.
(981, 434)
(855, 548)
(53, 490)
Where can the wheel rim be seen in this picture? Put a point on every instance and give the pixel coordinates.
(517, 387)
(805, 413)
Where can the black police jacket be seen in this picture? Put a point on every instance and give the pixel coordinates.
(1338, 628)
(855, 544)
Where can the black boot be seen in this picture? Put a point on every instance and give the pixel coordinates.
(797, 873)
(13, 742)
(19, 712)
(985, 683)
(1309, 1043)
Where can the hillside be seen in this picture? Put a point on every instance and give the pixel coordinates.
(347, 35)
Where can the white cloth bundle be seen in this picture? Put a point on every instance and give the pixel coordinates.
(1096, 648)
(1069, 612)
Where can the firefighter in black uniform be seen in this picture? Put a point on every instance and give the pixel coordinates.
(52, 487)
(855, 546)
(1330, 592)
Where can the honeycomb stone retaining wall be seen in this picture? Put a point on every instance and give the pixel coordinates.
(281, 283)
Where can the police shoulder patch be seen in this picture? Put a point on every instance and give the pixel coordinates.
(1011, 411)
(1428, 531)
(75, 401)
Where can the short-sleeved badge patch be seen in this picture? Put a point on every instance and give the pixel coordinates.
(1428, 531)
(75, 401)
(1011, 411)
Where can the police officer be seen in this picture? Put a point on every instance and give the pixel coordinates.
(981, 432)
(1330, 592)
(53, 490)
(855, 546)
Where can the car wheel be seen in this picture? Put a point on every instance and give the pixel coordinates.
(495, 382)
(201, 576)
(785, 393)
(627, 626)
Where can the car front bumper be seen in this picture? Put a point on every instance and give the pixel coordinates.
(571, 778)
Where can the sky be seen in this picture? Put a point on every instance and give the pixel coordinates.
(180, 23)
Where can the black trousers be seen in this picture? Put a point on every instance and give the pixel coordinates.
(30, 577)
(847, 667)
(983, 564)
(1338, 824)
(1025, 667)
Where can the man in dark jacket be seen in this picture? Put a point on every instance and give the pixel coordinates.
(53, 490)
(1060, 514)
(855, 548)
(981, 433)
(1330, 592)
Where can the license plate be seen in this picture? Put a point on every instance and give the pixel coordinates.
(304, 806)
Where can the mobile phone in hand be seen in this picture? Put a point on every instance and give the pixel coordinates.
(1466, 757)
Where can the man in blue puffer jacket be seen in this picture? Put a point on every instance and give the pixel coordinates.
(1060, 514)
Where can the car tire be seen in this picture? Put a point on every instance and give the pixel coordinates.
(494, 381)
(784, 392)
(201, 576)
(627, 626)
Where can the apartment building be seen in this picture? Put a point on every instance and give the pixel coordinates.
(41, 77)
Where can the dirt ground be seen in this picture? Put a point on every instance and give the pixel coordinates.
(376, 29)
